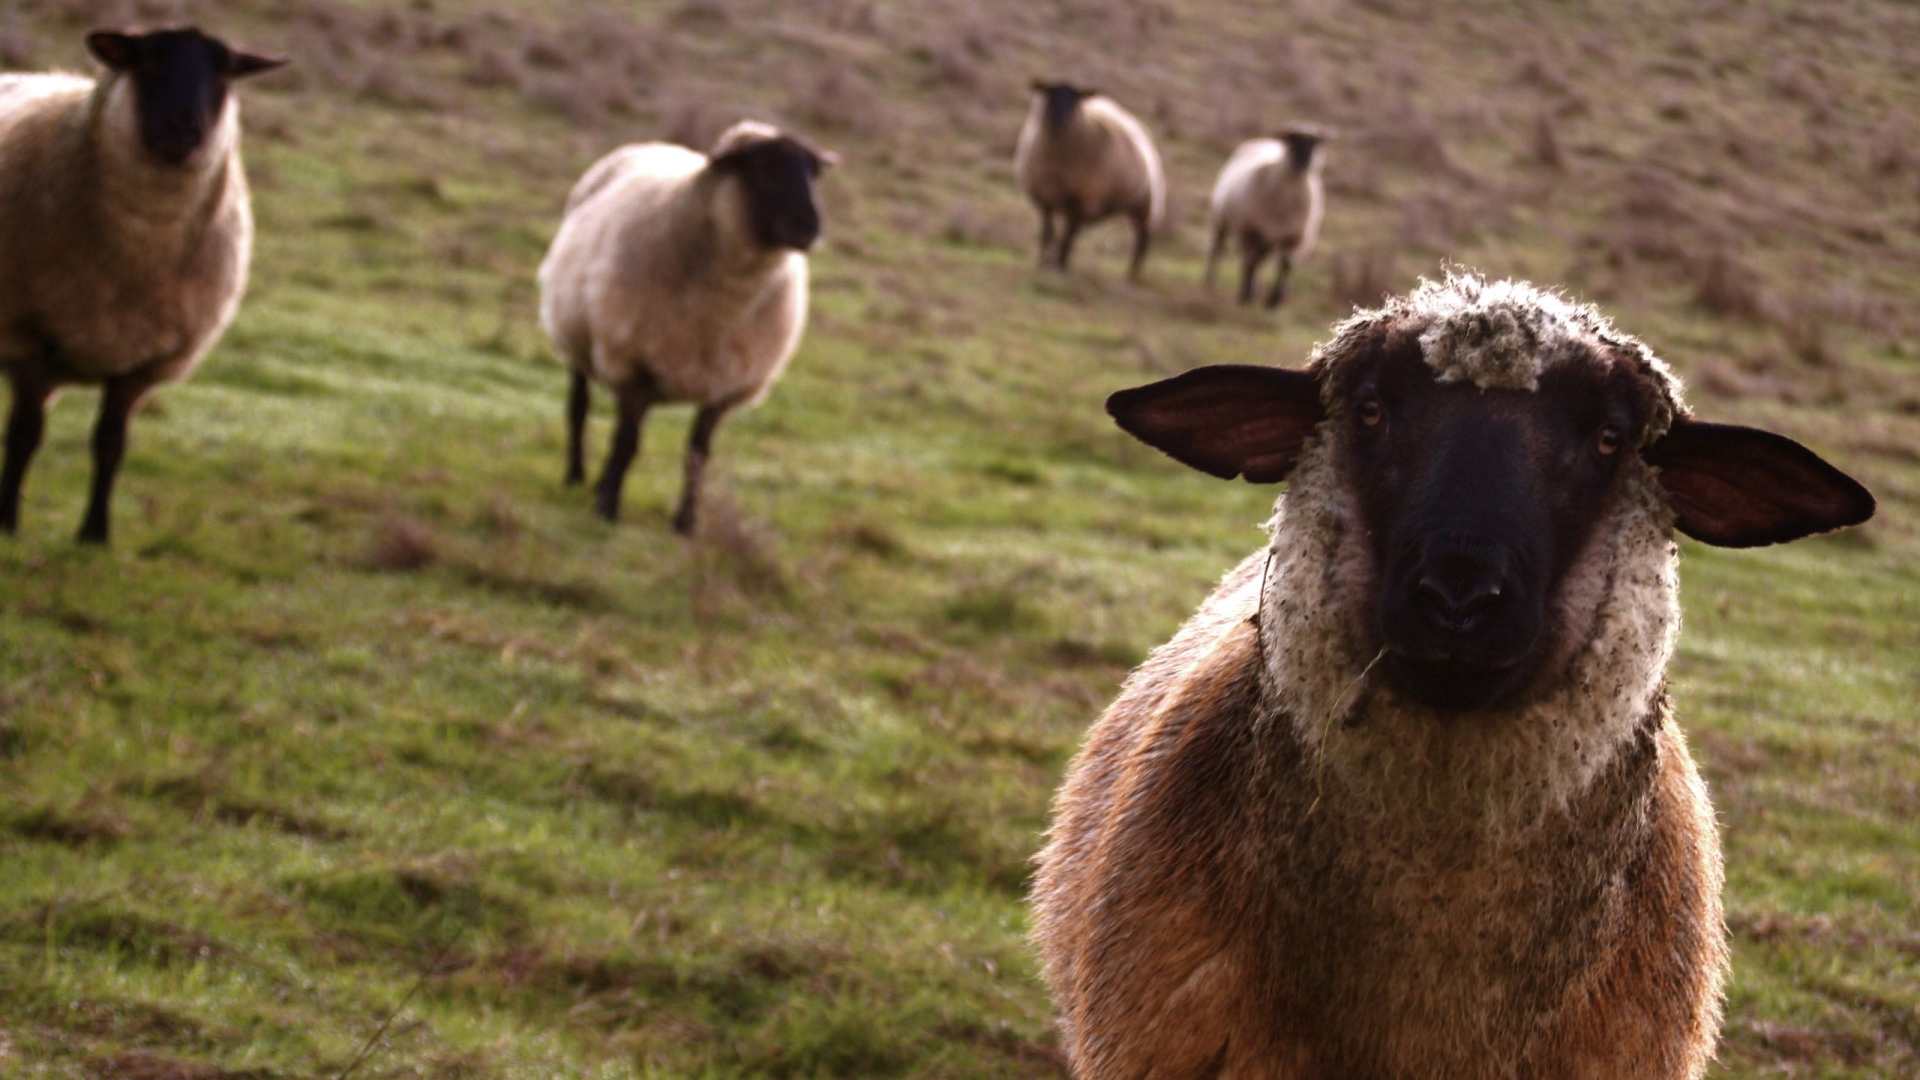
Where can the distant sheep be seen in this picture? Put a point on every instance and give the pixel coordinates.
(1085, 158)
(678, 277)
(125, 232)
(1406, 797)
(1269, 195)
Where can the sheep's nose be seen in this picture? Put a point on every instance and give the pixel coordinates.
(1459, 595)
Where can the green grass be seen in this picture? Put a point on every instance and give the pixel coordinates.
(365, 709)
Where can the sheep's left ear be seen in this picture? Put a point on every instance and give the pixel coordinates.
(1743, 487)
(1227, 420)
(114, 48)
(242, 64)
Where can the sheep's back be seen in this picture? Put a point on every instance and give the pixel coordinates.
(1236, 176)
(1160, 734)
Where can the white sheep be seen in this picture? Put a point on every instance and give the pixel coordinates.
(125, 231)
(1270, 196)
(1406, 797)
(678, 277)
(1085, 158)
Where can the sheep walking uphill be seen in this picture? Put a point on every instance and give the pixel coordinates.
(1270, 197)
(1406, 798)
(125, 232)
(1085, 158)
(678, 277)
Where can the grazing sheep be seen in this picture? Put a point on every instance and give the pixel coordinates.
(125, 232)
(1269, 195)
(1406, 798)
(1083, 156)
(679, 277)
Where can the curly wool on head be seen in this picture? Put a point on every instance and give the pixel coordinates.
(1501, 334)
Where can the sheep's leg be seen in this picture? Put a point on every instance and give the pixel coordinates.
(1279, 291)
(1142, 237)
(633, 399)
(699, 442)
(1254, 252)
(1213, 253)
(579, 399)
(1067, 238)
(1046, 236)
(118, 400)
(26, 423)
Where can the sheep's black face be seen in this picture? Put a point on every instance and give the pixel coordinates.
(1476, 502)
(1062, 99)
(1301, 146)
(180, 82)
(778, 176)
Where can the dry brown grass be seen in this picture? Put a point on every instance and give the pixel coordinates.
(1362, 279)
(1724, 286)
(839, 100)
(401, 542)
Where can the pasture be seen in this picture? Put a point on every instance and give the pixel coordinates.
(367, 736)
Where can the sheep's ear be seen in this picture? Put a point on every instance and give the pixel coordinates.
(242, 64)
(114, 48)
(1228, 420)
(1742, 487)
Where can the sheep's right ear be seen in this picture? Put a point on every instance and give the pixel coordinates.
(242, 64)
(113, 48)
(1227, 420)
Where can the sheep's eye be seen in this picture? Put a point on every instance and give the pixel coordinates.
(1371, 413)
(1608, 442)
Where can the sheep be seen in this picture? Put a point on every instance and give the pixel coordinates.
(1269, 195)
(679, 277)
(125, 233)
(1406, 797)
(1083, 156)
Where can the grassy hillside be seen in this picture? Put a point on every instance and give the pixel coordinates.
(368, 737)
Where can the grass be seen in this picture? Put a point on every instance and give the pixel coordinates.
(364, 704)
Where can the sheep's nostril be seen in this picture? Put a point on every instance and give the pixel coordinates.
(1457, 602)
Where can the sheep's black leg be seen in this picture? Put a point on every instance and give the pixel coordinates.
(118, 399)
(26, 423)
(1279, 291)
(1046, 236)
(699, 442)
(1254, 252)
(1142, 237)
(1067, 238)
(633, 399)
(1218, 242)
(579, 399)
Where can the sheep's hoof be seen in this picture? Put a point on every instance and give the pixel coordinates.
(683, 522)
(576, 477)
(608, 510)
(91, 535)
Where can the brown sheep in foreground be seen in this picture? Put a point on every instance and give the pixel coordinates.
(1406, 797)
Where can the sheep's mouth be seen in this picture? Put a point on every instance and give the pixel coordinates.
(1454, 684)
